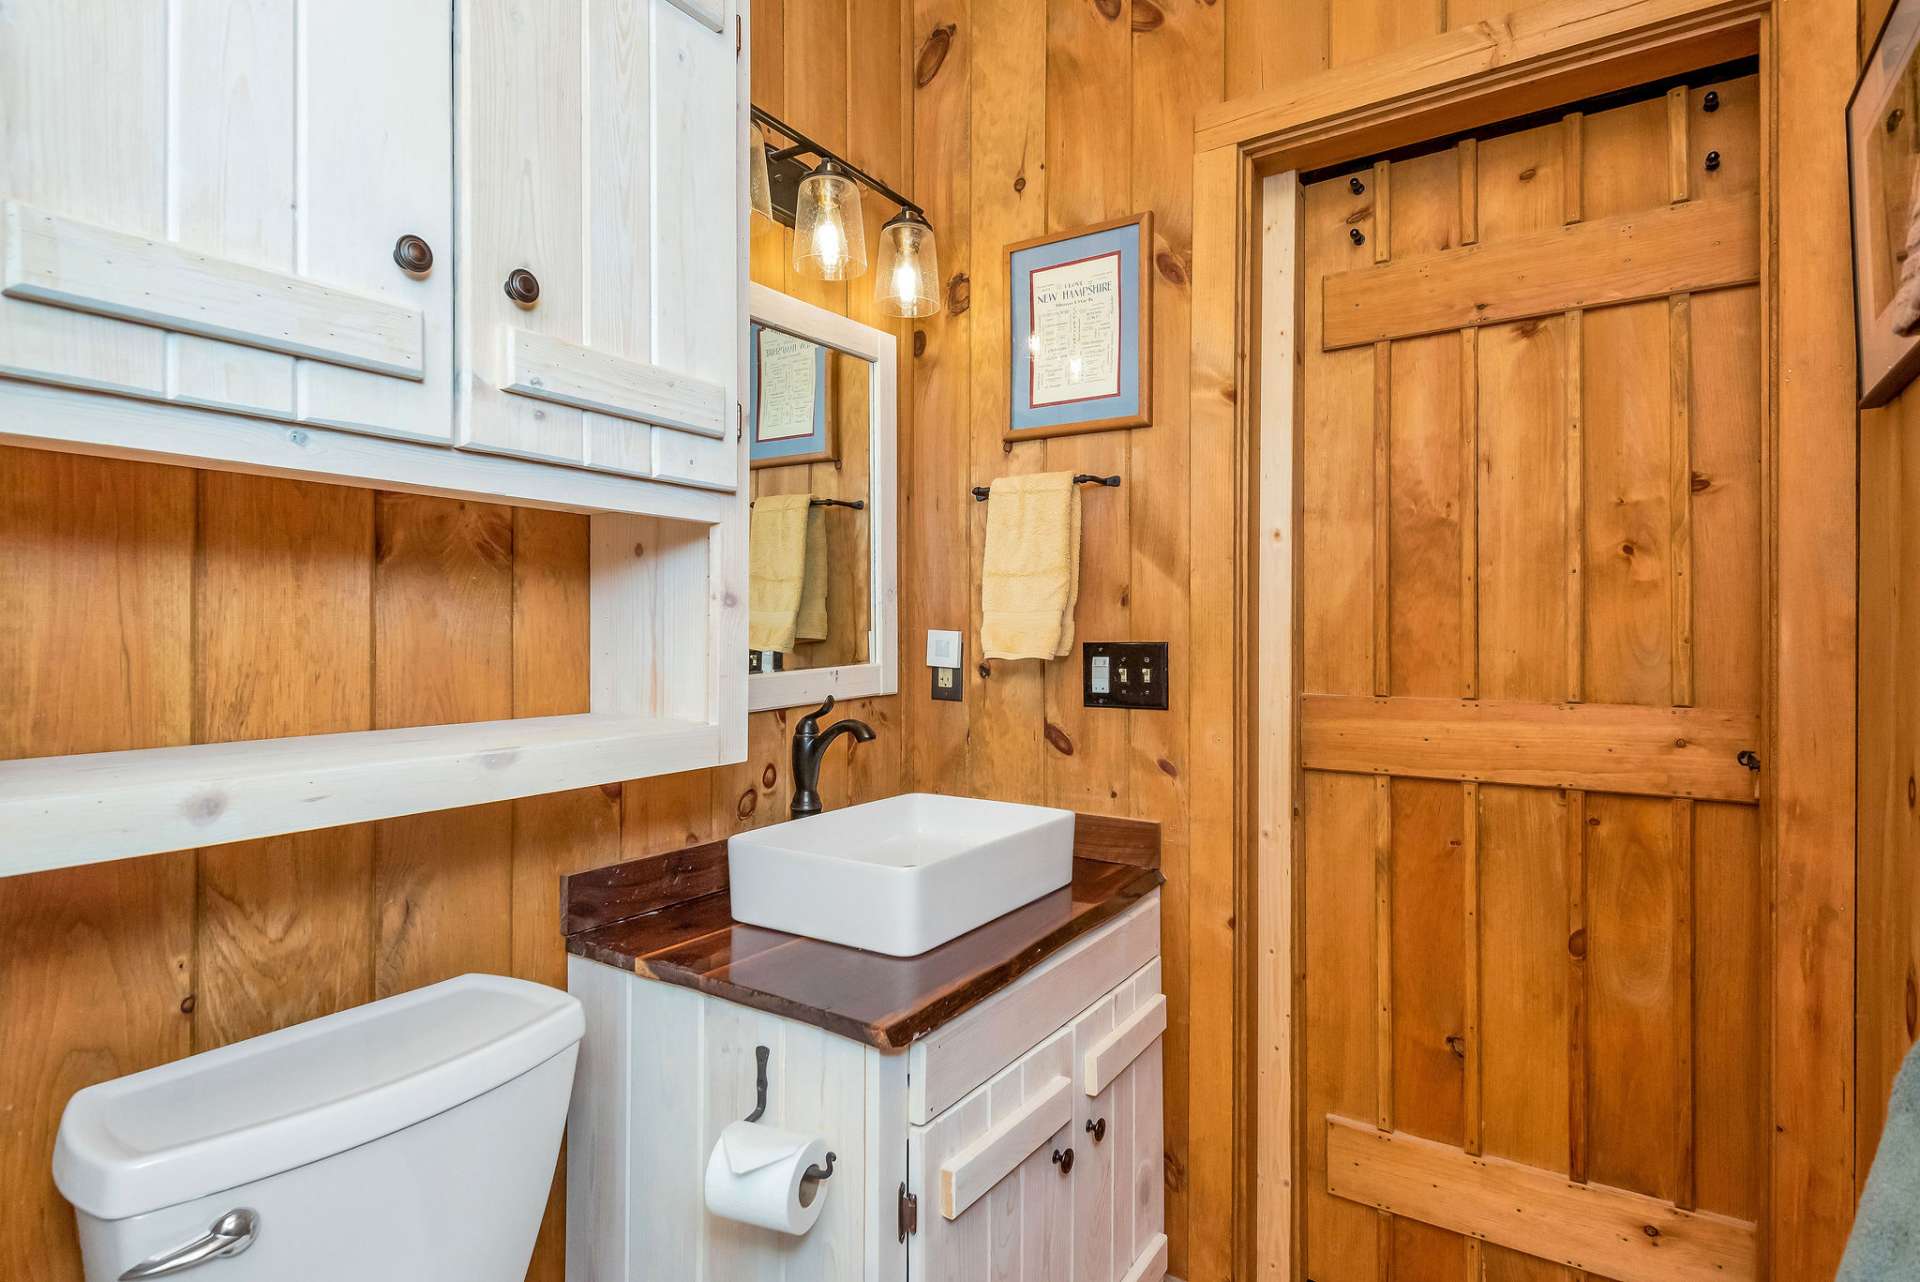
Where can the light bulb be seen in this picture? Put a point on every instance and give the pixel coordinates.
(829, 232)
(909, 266)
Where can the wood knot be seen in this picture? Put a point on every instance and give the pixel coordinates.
(639, 549)
(986, 669)
(1176, 1173)
(1528, 174)
(748, 803)
(769, 777)
(933, 55)
(1650, 1230)
(187, 1004)
(959, 295)
(1699, 483)
(1679, 743)
(206, 807)
(1167, 768)
(1147, 16)
(1626, 549)
(1109, 9)
(1019, 183)
(1059, 740)
(1910, 793)
(612, 791)
(1457, 1044)
(1171, 269)
(1577, 944)
(919, 343)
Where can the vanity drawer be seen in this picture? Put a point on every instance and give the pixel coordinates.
(960, 1055)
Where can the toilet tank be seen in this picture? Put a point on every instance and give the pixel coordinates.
(410, 1138)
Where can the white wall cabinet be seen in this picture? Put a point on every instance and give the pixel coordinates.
(201, 214)
(664, 1069)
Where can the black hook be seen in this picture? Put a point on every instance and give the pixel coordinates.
(760, 1053)
(1357, 187)
(814, 1172)
(1713, 161)
(1711, 102)
(1748, 758)
(1356, 235)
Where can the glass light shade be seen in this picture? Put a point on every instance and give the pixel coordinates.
(759, 190)
(829, 234)
(909, 270)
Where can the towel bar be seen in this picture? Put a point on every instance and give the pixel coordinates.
(858, 505)
(980, 492)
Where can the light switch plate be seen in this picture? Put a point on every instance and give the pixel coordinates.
(1125, 674)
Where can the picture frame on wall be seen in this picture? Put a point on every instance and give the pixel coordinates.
(791, 419)
(1080, 307)
(1883, 171)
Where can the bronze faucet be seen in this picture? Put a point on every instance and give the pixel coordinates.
(809, 746)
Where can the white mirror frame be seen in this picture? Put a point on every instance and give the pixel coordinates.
(881, 673)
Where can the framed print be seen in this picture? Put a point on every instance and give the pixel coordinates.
(1081, 329)
(790, 420)
(1883, 171)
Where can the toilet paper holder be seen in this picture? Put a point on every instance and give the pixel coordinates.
(760, 1056)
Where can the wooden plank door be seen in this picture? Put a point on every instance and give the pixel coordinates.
(1533, 898)
(1119, 1180)
(204, 209)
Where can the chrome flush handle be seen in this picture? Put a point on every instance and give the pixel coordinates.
(231, 1234)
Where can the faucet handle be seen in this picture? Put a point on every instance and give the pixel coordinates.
(813, 717)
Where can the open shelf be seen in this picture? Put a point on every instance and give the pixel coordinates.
(60, 811)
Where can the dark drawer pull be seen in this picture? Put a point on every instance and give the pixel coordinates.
(1064, 1160)
(523, 287)
(1097, 1127)
(413, 255)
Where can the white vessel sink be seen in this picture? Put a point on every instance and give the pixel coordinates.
(902, 875)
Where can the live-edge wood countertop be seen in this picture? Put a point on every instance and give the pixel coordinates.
(669, 918)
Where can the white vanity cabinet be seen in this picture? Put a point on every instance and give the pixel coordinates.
(601, 274)
(203, 204)
(946, 1150)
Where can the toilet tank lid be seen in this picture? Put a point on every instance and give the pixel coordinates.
(272, 1103)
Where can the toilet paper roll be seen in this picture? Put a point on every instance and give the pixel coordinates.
(758, 1175)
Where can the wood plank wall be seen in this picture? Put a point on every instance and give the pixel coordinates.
(1888, 958)
(146, 605)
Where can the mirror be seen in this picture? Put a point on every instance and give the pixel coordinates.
(821, 424)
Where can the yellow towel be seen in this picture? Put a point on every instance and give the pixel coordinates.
(776, 568)
(1030, 579)
(811, 622)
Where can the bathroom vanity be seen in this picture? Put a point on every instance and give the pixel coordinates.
(994, 1104)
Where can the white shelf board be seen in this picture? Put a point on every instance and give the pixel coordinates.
(56, 812)
(43, 416)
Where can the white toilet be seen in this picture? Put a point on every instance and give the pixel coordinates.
(412, 1138)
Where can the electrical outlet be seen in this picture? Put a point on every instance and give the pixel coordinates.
(1125, 674)
(763, 661)
(946, 684)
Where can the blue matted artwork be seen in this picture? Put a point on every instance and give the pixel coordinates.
(1110, 258)
(815, 446)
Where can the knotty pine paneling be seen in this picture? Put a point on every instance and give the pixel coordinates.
(1888, 800)
(143, 605)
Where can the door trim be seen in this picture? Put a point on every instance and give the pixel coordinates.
(1246, 307)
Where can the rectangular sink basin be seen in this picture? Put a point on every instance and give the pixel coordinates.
(902, 875)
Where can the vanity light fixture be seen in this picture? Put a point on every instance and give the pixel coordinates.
(909, 264)
(829, 229)
(819, 198)
(759, 187)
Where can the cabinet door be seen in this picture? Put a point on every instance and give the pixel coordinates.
(602, 268)
(1119, 1190)
(994, 1202)
(203, 203)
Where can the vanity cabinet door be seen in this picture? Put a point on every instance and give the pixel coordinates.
(204, 205)
(994, 1199)
(602, 273)
(1119, 1210)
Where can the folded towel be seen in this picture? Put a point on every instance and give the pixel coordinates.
(811, 622)
(1030, 580)
(776, 569)
(1885, 1242)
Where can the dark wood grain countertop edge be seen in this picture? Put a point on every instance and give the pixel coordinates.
(683, 933)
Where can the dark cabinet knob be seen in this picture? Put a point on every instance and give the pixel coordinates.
(1097, 1127)
(1063, 1158)
(523, 287)
(413, 255)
